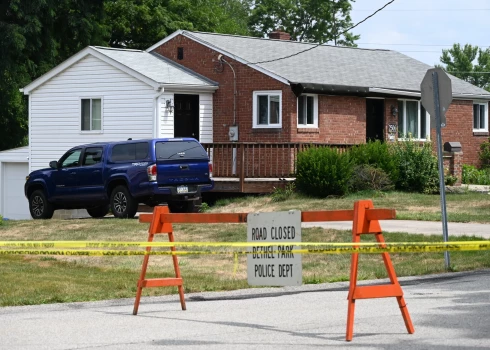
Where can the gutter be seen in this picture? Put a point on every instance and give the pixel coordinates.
(329, 89)
(361, 91)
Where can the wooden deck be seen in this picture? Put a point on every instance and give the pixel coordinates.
(250, 167)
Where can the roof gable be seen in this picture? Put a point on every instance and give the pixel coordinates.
(191, 35)
(147, 67)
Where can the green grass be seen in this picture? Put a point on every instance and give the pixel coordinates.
(461, 207)
(27, 280)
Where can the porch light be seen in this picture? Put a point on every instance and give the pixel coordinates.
(169, 105)
(394, 111)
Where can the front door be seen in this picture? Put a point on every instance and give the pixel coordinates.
(186, 116)
(375, 117)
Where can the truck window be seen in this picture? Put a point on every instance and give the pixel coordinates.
(180, 150)
(92, 155)
(130, 152)
(71, 158)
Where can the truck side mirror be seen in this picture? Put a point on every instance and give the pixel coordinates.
(53, 164)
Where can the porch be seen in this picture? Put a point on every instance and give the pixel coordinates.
(253, 167)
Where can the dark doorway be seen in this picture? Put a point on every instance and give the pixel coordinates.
(375, 117)
(186, 116)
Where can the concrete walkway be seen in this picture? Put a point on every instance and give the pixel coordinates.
(422, 227)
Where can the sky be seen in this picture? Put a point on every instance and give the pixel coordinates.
(422, 28)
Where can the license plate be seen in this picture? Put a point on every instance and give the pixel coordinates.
(182, 189)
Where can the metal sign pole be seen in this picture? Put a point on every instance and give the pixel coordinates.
(442, 186)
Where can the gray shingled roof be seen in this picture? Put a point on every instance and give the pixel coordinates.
(333, 64)
(155, 67)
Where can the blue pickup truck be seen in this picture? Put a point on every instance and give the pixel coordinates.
(117, 176)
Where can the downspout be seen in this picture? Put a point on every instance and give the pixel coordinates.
(220, 58)
(234, 150)
(156, 124)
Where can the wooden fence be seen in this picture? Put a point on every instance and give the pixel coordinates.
(258, 160)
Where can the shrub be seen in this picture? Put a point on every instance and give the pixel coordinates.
(378, 155)
(323, 171)
(484, 154)
(204, 207)
(1, 220)
(473, 176)
(450, 180)
(281, 194)
(417, 167)
(367, 177)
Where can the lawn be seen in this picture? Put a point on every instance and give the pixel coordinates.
(461, 207)
(33, 279)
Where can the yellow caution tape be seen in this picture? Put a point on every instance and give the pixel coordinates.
(320, 248)
(95, 244)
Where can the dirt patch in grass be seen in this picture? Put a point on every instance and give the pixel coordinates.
(424, 209)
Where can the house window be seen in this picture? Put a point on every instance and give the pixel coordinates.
(480, 116)
(91, 114)
(308, 111)
(267, 109)
(413, 121)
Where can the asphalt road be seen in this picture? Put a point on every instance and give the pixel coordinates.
(449, 311)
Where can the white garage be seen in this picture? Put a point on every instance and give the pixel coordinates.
(14, 167)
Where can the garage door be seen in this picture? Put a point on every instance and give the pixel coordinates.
(14, 203)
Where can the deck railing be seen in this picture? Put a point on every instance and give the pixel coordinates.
(259, 160)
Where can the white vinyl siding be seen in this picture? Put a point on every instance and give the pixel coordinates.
(55, 109)
(166, 118)
(205, 118)
(19, 155)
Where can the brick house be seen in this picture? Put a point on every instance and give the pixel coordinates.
(324, 94)
(252, 110)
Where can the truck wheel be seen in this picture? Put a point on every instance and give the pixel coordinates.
(39, 206)
(98, 212)
(123, 205)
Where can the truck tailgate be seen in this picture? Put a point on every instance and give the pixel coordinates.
(181, 162)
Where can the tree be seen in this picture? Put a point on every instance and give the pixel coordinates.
(468, 63)
(37, 35)
(140, 24)
(34, 37)
(318, 21)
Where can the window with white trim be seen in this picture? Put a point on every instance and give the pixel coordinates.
(91, 114)
(308, 111)
(267, 109)
(413, 120)
(480, 116)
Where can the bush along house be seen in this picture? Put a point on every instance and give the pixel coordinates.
(276, 96)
